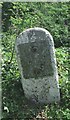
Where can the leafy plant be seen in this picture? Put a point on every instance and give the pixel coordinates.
(53, 17)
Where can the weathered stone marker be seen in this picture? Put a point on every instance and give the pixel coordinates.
(37, 64)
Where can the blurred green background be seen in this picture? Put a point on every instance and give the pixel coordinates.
(16, 17)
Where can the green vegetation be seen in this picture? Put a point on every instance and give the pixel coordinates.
(52, 16)
(17, 17)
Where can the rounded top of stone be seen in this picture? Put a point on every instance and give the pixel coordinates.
(31, 34)
(36, 29)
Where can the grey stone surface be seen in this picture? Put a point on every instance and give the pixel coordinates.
(37, 64)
